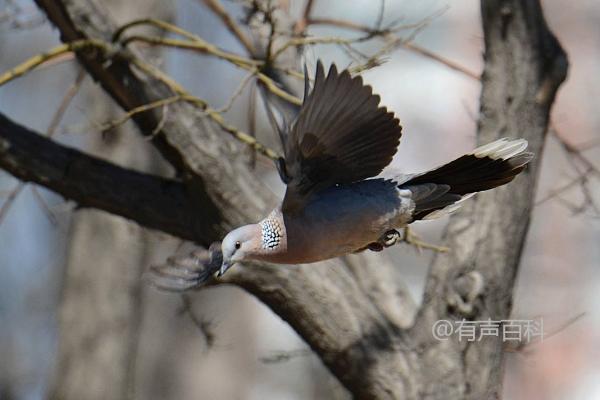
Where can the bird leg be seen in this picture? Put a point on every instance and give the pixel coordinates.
(375, 246)
(390, 238)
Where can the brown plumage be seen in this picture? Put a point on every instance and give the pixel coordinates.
(340, 136)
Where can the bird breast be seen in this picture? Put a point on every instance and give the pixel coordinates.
(343, 219)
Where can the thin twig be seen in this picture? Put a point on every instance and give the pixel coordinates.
(158, 24)
(143, 108)
(270, 19)
(10, 200)
(204, 326)
(252, 120)
(286, 355)
(302, 23)
(211, 113)
(431, 55)
(161, 123)
(523, 346)
(216, 7)
(379, 21)
(65, 102)
(239, 61)
(201, 45)
(341, 23)
(419, 244)
(57, 51)
(44, 206)
(197, 45)
(556, 192)
(403, 43)
(304, 41)
(272, 86)
(573, 150)
(238, 91)
(575, 154)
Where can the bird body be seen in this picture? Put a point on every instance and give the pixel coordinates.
(334, 203)
(337, 221)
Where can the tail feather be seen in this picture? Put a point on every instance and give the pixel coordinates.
(441, 190)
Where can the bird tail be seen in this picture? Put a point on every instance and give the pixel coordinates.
(442, 190)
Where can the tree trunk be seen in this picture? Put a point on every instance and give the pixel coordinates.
(100, 309)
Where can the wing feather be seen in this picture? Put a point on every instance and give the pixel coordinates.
(341, 135)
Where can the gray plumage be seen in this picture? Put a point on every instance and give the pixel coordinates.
(334, 204)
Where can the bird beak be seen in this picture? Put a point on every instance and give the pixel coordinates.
(224, 267)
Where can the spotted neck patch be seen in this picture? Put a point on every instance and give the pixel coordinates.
(271, 233)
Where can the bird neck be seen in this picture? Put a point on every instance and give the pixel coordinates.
(272, 235)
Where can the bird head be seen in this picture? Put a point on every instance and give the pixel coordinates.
(239, 245)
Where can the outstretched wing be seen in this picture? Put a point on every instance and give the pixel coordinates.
(341, 136)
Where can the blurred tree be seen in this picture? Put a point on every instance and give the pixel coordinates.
(101, 306)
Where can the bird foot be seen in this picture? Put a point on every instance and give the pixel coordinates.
(375, 246)
(414, 240)
(388, 239)
(391, 237)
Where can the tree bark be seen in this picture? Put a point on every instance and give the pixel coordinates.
(341, 315)
(162, 204)
(101, 306)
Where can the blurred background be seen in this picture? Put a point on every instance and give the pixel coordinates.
(221, 343)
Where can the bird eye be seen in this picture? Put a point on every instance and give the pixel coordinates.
(238, 244)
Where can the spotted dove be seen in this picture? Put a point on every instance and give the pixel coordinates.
(334, 203)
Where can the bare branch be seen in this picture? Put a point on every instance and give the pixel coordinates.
(157, 203)
(44, 206)
(524, 346)
(157, 23)
(182, 94)
(216, 7)
(54, 123)
(276, 357)
(303, 22)
(39, 59)
(414, 240)
(10, 199)
(197, 45)
(448, 63)
(204, 326)
(203, 47)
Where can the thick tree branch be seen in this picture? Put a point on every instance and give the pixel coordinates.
(182, 140)
(151, 201)
(326, 305)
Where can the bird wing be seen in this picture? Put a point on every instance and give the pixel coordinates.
(341, 135)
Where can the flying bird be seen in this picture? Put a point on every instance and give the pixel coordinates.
(334, 202)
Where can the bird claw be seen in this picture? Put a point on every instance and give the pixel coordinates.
(388, 239)
(391, 237)
(375, 246)
(185, 273)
